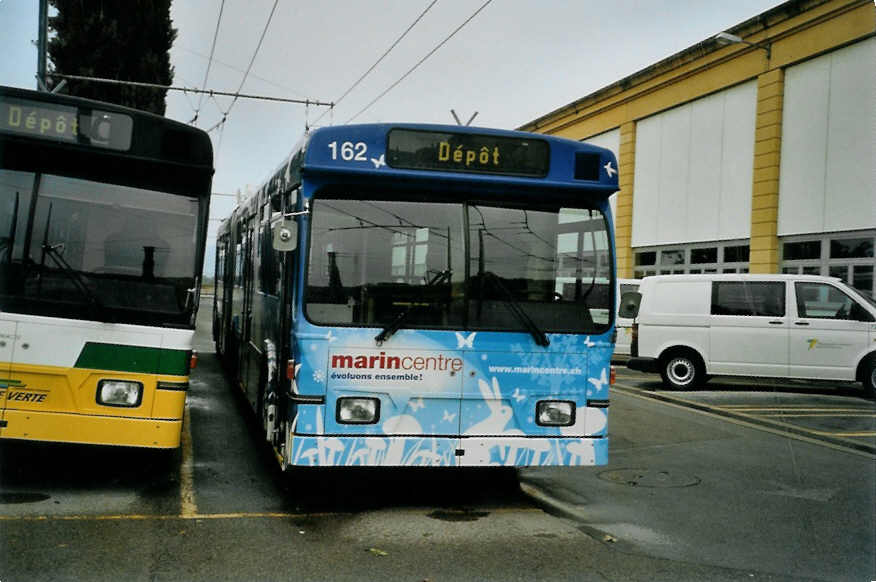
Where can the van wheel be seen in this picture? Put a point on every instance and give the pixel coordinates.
(681, 370)
(869, 379)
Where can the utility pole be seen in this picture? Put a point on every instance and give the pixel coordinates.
(41, 45)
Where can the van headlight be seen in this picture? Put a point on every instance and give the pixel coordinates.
(119, 393)
(357, 410)
(555, 413)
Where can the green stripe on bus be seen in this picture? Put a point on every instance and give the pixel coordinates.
(120, 358)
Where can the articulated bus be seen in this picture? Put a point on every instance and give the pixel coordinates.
(103, 219)
(424, 295)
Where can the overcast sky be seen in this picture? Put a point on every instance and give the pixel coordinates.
(516, 60)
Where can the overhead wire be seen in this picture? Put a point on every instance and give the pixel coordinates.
(253, 75)
(421, 61)
(209, 62)
(383, 56)
(248, 68)
(211, 92)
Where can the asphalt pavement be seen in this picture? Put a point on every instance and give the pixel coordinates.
(688, 484)
(690, 493)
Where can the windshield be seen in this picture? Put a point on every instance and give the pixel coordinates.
(87, 250)
(452, 265)
(863, 295)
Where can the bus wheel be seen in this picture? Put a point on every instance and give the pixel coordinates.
(681, 370)
(268, 410)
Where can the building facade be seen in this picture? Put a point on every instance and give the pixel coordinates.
(753, 156)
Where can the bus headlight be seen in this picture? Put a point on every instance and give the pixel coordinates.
(119, 393)
(358, 410)
(555, 413)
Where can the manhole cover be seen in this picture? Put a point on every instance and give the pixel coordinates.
(22, 497)
(649, 478)
(458, 514)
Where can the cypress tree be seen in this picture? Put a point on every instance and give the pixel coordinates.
(126, 40)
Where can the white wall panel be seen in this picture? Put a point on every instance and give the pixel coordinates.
(737, 161)
(694, 167)
(827, 168)
(704, 183)
(610, 140)
(804, 144)
(646, 181)
(672, 200)
(849, 186)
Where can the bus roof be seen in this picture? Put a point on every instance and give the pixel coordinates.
(466, 153)
(402, 149)
(68, 135)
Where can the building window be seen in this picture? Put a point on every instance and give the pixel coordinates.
(851, 248)
(672, 257)
(646, 259)
(730, 257)
(847, 256)
(800, 251)
(707, 255)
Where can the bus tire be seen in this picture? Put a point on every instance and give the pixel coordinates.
(681, 369)
(267, 405)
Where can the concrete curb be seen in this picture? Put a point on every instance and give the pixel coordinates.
(554, 505)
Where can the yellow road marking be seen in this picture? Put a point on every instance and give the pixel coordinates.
(742, 408)
(143, 517)
(208, 516)
(795, 414)
(188, 507)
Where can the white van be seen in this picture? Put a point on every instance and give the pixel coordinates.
(689, 327)
(624, 325)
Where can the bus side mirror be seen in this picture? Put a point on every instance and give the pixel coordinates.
(629, 305)
(285, 235)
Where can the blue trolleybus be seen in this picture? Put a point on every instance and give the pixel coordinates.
(424, 295)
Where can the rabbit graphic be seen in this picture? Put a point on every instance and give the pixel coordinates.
(500, 413)
(494, 424)
(403, 424)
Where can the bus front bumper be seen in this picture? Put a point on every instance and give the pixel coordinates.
(91, 429)
(428, 451)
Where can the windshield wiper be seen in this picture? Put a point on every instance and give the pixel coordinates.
(75, 276)
(394, 325)
(8, 243)
(515, 307)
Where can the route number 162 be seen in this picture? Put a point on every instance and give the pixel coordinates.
(349, 151)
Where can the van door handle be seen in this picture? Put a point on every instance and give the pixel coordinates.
(801, 323)
(776, 322)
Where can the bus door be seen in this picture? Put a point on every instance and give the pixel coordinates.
(7, 341)
(248, 367)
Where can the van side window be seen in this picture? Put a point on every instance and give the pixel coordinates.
(822, 301)
(760, 298)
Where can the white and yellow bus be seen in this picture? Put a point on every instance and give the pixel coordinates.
(103, 217)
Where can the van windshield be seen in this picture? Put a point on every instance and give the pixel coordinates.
(863, 295)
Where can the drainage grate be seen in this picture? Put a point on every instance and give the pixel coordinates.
(649, 478)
